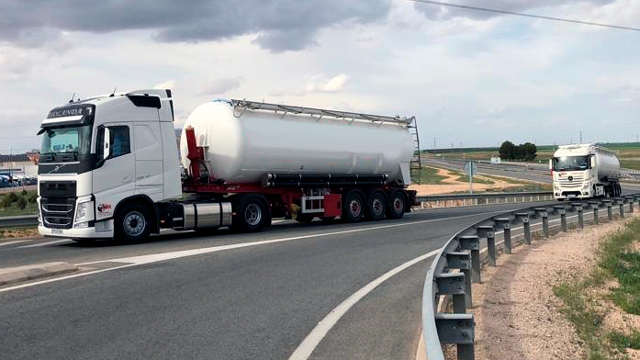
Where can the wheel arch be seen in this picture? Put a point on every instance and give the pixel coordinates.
(146, 202)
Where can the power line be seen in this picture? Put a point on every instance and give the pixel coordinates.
(506, 12)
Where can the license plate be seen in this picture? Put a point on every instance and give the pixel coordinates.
(57, 231)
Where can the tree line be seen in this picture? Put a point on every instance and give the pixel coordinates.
(510, 151)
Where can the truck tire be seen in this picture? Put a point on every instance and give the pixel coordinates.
(251, 214)
(376, 205)
(132, 223)
(353, 206)
(397, 204)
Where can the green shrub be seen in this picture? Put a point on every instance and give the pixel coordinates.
(24, 192)
(22, 203)
(33, 198)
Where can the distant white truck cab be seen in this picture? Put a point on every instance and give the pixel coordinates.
(584, 171)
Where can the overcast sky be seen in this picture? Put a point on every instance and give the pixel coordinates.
(470, 78)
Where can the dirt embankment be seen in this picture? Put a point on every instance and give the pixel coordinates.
(451, 185)
(517, 315)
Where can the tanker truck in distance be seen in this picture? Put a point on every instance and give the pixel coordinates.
(109, 166)
(584, 171)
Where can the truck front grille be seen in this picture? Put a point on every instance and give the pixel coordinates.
(57, 212)
(575, 182)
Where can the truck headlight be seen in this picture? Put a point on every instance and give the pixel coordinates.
(84, 211)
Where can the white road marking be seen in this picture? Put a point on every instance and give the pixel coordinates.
(12, 242)
(152, 258)
(63, 241)
(309, 344)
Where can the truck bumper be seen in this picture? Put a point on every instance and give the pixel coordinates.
(573, 194)
(101, 231)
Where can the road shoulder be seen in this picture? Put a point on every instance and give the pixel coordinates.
(517, 315)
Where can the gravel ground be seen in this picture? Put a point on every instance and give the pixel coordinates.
(515, 310)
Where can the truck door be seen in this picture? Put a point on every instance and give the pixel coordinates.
(114, 177)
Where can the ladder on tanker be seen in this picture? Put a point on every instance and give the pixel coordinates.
(242, 105)
(415, 166)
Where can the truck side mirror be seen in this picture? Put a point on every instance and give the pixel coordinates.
(592, 161)
(107, 144)
(550, 164)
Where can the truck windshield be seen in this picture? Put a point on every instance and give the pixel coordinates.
(66, 140)
(571, 163)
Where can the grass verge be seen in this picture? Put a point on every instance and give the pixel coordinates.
(18, 203)
(429, 176)
(583, 298)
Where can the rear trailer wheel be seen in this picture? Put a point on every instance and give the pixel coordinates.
(132, 223)
(397, 201)
(376, 206)
(353, 207)
(251, 214)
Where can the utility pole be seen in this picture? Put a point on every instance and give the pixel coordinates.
(434, 143)
(11, 163)
(580, 136)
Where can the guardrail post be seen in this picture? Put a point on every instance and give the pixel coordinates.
(457, 329)
(472, 243)
(562, 210)
(526, 226)
(505, 225)
(453, 284)
(596, 211)
(542, 212)
(489, 232)
(630, 199)
(621, 204)
(609, 204)
(579, 208)
(462, 261)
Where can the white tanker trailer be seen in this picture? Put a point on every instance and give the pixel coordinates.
(585, 171)
(109, 166)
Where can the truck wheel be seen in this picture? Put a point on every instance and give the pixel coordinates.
(353, 207)
(251, 214)
(132, 223)
(376, 206)
(396, 207)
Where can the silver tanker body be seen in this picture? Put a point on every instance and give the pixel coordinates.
(241, 146)
(608, 165)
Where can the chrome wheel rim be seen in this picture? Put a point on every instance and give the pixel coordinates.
(134, 223)
(398, 204)
(253, 214)
(355, 208)
(377, 207)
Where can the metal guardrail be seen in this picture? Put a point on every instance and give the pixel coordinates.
(436, 201)
(18, 221)
(458, 264)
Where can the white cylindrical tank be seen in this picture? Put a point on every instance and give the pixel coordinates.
(607, 164)
(242, 146)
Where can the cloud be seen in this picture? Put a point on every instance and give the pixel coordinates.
(281, 25)
(332, 85)
(221, 86)
(169, 84)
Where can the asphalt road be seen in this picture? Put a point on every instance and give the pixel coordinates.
(533, 172)
(231, 296)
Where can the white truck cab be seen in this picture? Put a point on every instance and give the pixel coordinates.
(111, 155)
